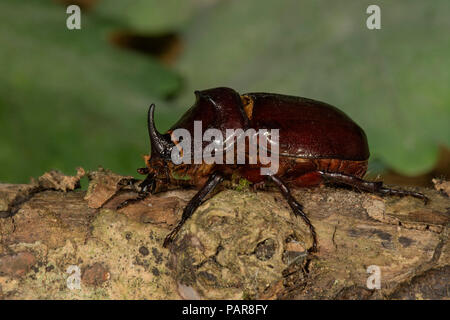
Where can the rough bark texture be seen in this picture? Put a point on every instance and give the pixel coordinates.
(239, 244)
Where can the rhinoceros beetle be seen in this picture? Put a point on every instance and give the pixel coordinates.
(318, 144)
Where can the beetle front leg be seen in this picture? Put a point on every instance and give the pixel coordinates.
(214, 180)
(296, 207)
(368, 186)
(145, 188)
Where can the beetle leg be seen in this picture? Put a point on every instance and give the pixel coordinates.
(296, 207)
(368, 186)
(145, 188)
(258, 186)
(193, 204)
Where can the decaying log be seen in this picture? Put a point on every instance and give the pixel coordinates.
(240, 244)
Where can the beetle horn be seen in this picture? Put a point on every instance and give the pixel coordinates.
(159, 142)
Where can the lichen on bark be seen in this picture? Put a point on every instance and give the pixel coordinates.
(239, 244)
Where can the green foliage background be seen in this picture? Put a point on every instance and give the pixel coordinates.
(70, 98)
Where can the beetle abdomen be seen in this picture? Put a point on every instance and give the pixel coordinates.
(350, 167)
(308, 128)
(307, 171)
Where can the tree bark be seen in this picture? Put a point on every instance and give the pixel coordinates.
(239, 244)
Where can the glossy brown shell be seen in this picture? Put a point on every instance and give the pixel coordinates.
(219, 108)
(314, 137)
(308, 128)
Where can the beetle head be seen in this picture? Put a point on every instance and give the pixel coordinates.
(219, 108)
(161, 149)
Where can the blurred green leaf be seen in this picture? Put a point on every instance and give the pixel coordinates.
(148, 16)
(393, 82)
(68, 97)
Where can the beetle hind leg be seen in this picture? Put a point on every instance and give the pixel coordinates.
(297, 208)
(369, 186)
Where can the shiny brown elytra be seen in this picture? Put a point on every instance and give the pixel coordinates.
(318, 144)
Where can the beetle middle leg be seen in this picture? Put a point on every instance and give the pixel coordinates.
(214, 180)
(369, 186)
(258, 186)
(296, 207)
